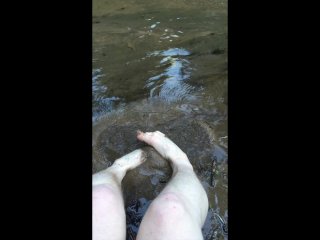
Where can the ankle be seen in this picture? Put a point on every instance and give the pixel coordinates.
(117, 172)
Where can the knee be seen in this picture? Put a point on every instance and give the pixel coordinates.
(104, 194)
(167, 207)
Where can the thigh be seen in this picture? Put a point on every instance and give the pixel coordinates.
(108, 215)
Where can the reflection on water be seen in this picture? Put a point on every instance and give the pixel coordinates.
(174, 51)
(101, 103)
(171, 83)
(169, 72)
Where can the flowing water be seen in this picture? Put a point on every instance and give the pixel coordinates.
(162, 65)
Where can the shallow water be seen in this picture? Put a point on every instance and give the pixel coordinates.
(162, 65)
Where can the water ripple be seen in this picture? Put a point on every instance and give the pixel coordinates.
(171, 84)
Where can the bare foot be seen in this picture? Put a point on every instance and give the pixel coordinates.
(130, 160)
(165, 147)
(114, 174)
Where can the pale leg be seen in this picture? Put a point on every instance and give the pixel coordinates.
(108, 213)
(181, 208)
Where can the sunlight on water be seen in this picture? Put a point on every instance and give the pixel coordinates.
(101, 103)
(171, 83)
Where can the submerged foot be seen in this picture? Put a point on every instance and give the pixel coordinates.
(165, 147)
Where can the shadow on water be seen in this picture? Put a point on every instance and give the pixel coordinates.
(162, 65)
